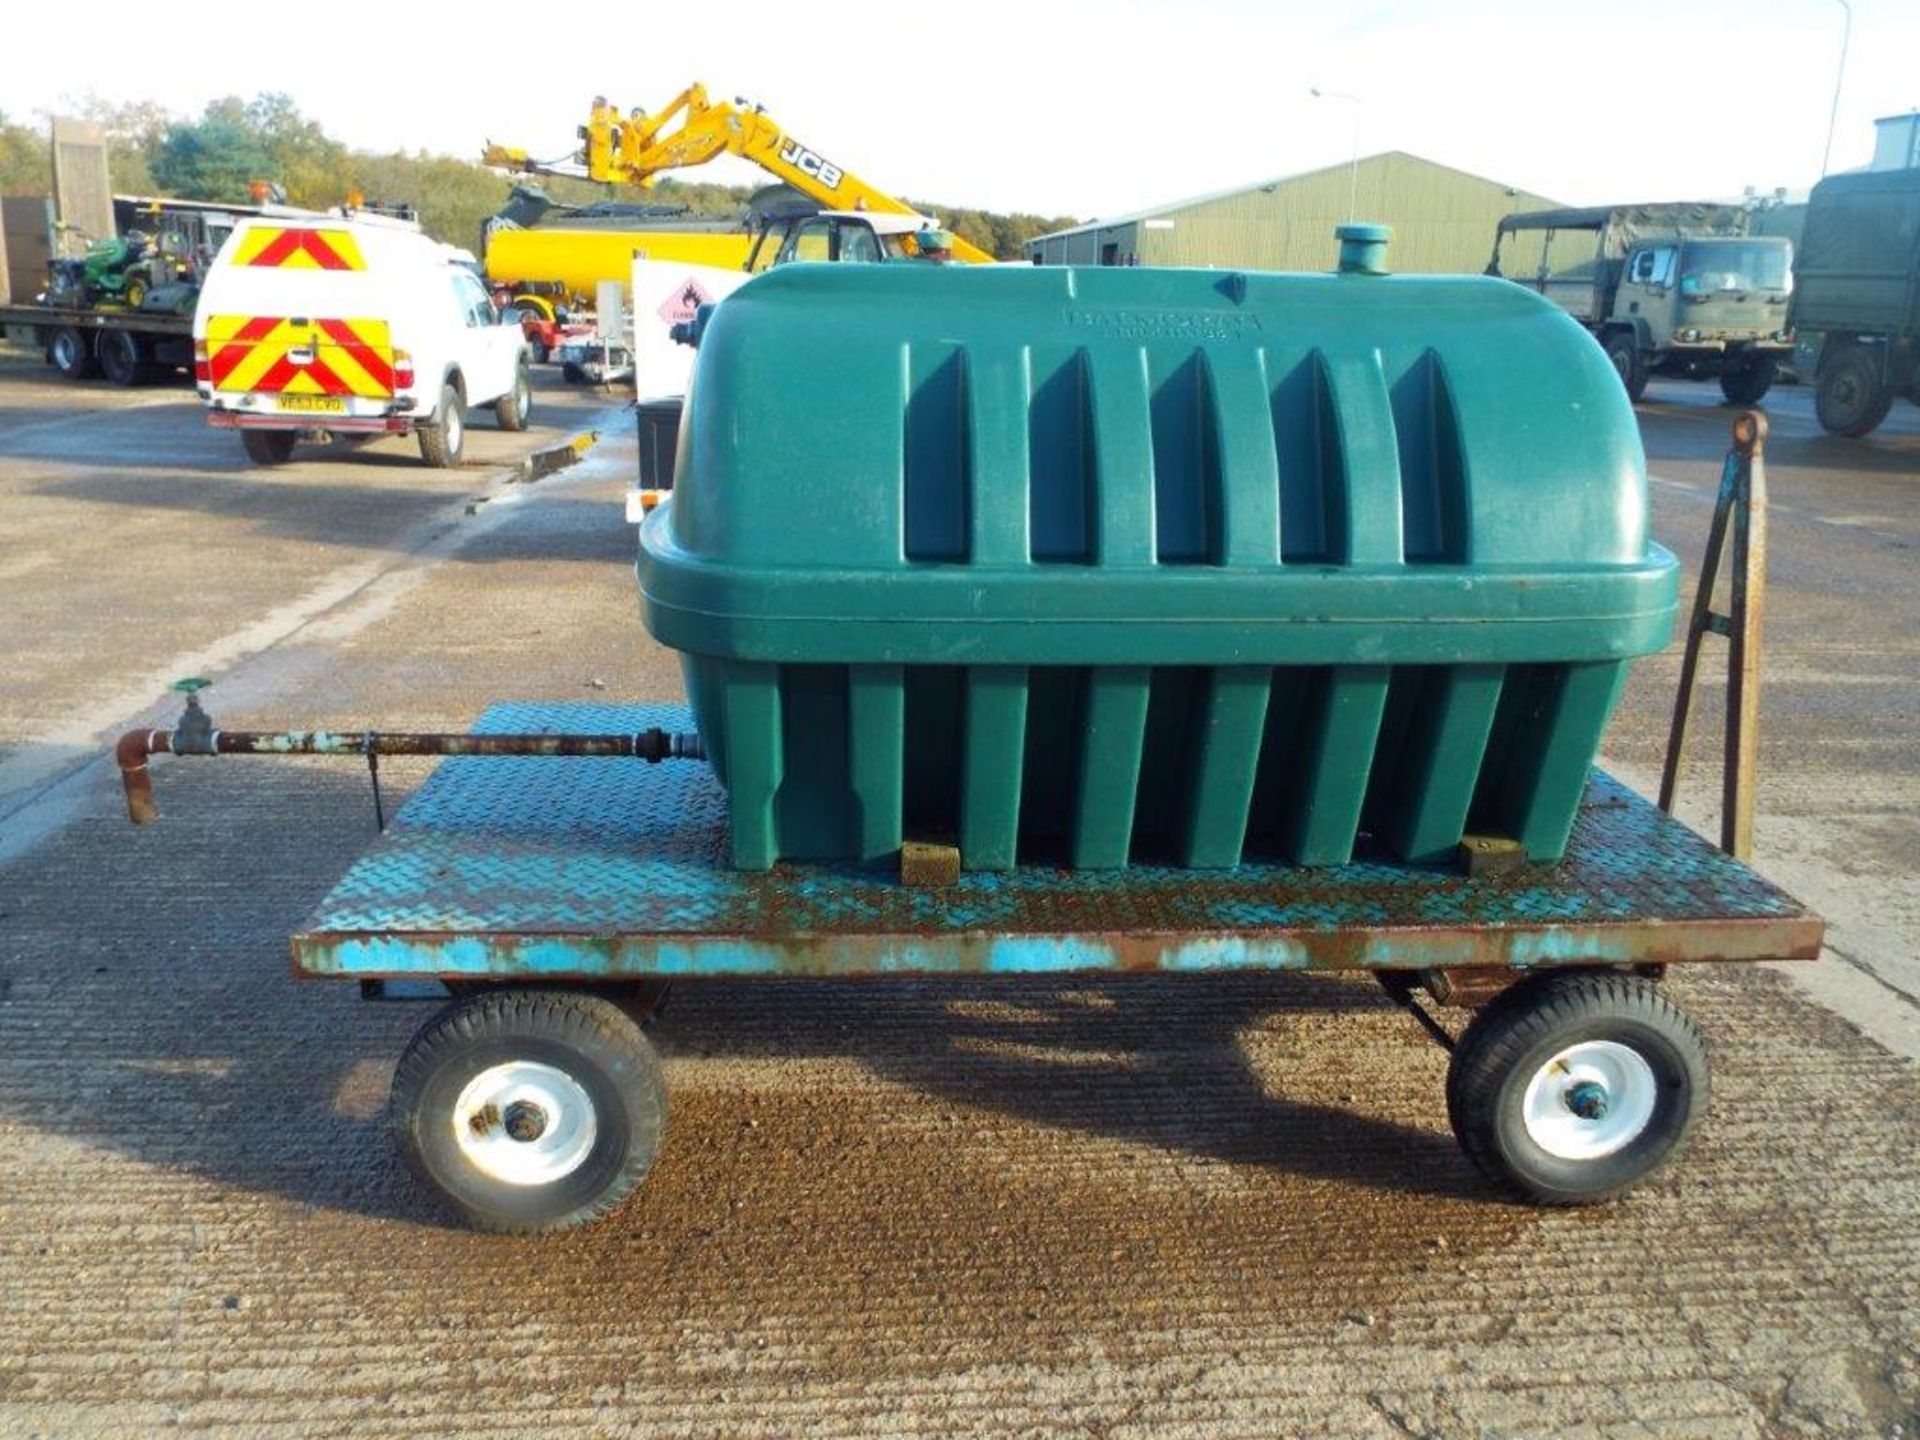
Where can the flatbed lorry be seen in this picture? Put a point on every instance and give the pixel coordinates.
(124, 308)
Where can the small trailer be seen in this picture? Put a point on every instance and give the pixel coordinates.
(553, 888)
(1048, 692)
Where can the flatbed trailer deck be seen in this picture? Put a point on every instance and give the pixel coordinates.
(547, 868)
(75, 339)
(552, 897)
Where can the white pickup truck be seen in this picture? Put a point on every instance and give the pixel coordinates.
(341, 324)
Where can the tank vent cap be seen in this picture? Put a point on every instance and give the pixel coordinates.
(1363, 248)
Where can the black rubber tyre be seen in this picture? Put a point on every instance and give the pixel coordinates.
(135, 295)
(497, 1043)
(1526, 1036)
(1623, 349)
(123, 357)
(268, 447)
(513, 409)
(443, 442)
(71, 353)
(1747, 380)
(1850, 397)
(641, 999)
(536, 350)
(573, 374)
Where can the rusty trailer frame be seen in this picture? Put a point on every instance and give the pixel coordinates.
(569, 870)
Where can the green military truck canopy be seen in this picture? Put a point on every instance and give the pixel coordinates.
(1091, 566)
(1858, 264)
(1621, 227)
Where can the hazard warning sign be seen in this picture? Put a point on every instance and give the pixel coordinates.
(685, 301)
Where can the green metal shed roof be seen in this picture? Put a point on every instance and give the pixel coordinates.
(1135, 217)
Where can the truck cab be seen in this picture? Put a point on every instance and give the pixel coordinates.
(1714, 305)
(835, 237)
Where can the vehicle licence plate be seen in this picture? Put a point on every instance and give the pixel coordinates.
(313, 404)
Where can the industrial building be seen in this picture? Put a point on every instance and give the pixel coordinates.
(1443, 221)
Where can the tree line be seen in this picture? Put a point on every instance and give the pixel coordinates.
(236, 142)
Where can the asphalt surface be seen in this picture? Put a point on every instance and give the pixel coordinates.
(1192, 1206)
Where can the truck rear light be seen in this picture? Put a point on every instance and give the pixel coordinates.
(202, 371)
(402, 370)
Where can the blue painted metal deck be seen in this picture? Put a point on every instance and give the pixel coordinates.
(606, 867)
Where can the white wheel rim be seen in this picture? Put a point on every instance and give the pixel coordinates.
(1590, 1100)
(524, 1123)
(454, 423)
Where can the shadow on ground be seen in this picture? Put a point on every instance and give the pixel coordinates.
(153, 1014)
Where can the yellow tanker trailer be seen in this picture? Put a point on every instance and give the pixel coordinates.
(554, 261)
(548, 261)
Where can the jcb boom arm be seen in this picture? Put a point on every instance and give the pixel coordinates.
(637, 148)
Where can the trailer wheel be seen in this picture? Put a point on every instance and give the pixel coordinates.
(442, 442)
(1850, 399)
(71, 353)
(268, 447)
(1571, 1088)
(512, 409)
(123, 358)
(524, 311)
(1623, 349)
(1745, 381)
(530, 1110)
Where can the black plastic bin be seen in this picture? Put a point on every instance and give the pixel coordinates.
(659, 422)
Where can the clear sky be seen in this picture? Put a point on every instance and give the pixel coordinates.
(1088, 107)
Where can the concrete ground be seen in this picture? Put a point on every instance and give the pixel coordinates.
(1172, 1207)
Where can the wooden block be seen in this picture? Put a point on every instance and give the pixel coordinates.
(925, 864)
(1484, 855)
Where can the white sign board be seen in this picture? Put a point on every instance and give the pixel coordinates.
(667, 293)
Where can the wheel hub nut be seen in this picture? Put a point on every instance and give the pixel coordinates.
(1588, 1100)
(525, 1121)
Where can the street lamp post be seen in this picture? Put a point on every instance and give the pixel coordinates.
(1353, 166)
(1839, 77)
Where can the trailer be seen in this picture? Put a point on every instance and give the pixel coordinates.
(943, 745)
(81, 341)
(549, 885)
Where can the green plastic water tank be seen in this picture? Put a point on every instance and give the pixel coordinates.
(1164, 566)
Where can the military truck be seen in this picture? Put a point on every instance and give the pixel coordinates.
(1857, 292)
(1670, 289)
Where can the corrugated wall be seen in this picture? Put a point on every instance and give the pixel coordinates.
(1442, 220)
(1084, 247)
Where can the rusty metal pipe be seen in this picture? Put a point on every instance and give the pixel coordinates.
(136, 746)
(131, 754)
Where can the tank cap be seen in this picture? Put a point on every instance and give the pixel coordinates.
(1363, 248)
